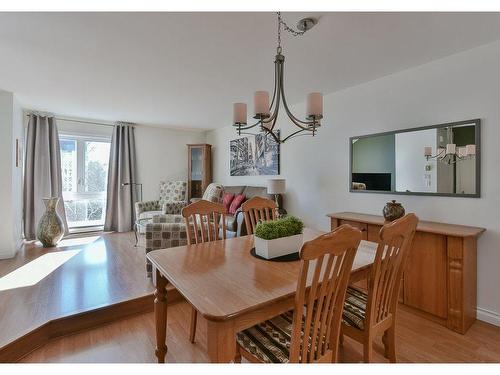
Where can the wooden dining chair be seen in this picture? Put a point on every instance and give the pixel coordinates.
(258, 209)
(205, 221)
(310, 332)
(367, 314)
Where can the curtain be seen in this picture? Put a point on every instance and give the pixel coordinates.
(42, 171)
(122, 169)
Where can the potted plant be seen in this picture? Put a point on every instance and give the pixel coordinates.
(278, 237)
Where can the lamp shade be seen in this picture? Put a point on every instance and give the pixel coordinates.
(470, 150)
(427, 151)
(314, 104)
(261, 102)
(239, 113)
(276, 186)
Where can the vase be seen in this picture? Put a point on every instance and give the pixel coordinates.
(50, 227)
(393, 210)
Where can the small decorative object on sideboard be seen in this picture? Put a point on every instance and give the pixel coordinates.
(393, 210)
(278, 237)
(50, 228)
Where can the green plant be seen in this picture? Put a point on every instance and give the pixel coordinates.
(288, 226)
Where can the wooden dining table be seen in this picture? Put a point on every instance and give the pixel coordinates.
(230, 288)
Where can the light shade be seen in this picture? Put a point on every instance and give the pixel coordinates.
(261, 103)
(276, 186)
(427, 151)
(314, 104)
(470, 150)
(239, 113)
(451, 148)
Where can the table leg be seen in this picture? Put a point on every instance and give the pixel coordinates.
(221, 341)
(161, 316)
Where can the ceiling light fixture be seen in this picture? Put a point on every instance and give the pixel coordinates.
(267, 114)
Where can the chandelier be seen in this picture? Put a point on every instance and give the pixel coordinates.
(267, 114)
(451, 154)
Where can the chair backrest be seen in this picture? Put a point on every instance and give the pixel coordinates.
(258, 209)
(203, 221)
(318, 310)
(213, 193)
(387, 271)
(173, 191)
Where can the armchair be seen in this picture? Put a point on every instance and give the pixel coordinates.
(173, 197)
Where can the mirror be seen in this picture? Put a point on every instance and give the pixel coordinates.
(440, 159)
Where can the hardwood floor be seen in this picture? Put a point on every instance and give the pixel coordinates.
(40, 288)
(133, 340)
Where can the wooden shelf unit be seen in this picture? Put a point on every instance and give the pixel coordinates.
(440, 279)
(199, 169)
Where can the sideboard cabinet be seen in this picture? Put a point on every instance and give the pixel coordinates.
(440, 276)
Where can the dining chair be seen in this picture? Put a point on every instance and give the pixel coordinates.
(205, 221)
(310, 332)
(367, 314)
(258, 209)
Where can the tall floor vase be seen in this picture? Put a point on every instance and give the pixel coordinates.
(50, 227)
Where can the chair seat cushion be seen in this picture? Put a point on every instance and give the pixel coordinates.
(269, 341)
(355, 308)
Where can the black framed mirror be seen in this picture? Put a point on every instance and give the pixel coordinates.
(440, 160)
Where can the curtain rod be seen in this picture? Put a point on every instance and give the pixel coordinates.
(80, 121)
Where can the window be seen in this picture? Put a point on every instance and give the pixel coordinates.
(84, 166)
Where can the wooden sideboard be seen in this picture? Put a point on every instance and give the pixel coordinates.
(440, 278)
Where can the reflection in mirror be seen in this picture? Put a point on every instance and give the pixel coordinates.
(440, 159)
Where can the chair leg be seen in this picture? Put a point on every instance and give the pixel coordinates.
(237, 357)
(367, 350)
(390, 343)
(192, 327)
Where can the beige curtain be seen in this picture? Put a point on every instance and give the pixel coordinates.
(42, 171)
(122, 169)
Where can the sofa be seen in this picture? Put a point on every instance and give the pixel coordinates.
(235, 224)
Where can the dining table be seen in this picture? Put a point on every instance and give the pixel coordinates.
(232, 289)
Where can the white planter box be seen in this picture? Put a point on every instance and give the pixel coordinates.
(280, 246)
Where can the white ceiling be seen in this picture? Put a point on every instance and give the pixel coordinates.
(186, 69)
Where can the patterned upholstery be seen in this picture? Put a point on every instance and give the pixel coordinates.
(142, 207)
(213, 193)
(173, 191)
(269, 341)
(173, 197)
(355, 308)
(165, 231)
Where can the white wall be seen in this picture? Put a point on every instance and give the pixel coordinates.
(162, 155)
(460, 87)
(11, 128)
(410, 161)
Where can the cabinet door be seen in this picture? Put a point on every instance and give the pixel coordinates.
(425, 285)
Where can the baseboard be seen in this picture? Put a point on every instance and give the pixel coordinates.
(488, 316)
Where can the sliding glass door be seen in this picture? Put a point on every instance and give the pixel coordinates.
(84, 165)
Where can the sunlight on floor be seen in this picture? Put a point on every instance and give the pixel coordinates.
(77, 241)
(34, 271)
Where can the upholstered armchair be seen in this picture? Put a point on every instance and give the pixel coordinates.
(173, 197)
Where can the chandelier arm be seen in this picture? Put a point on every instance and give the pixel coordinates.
(294, 119)
(295, 135)
(275, 85)
(271, 133)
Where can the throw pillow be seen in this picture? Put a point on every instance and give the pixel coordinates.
(227, 199)
(236, 203)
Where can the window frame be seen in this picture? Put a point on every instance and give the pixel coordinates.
(80, 193)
